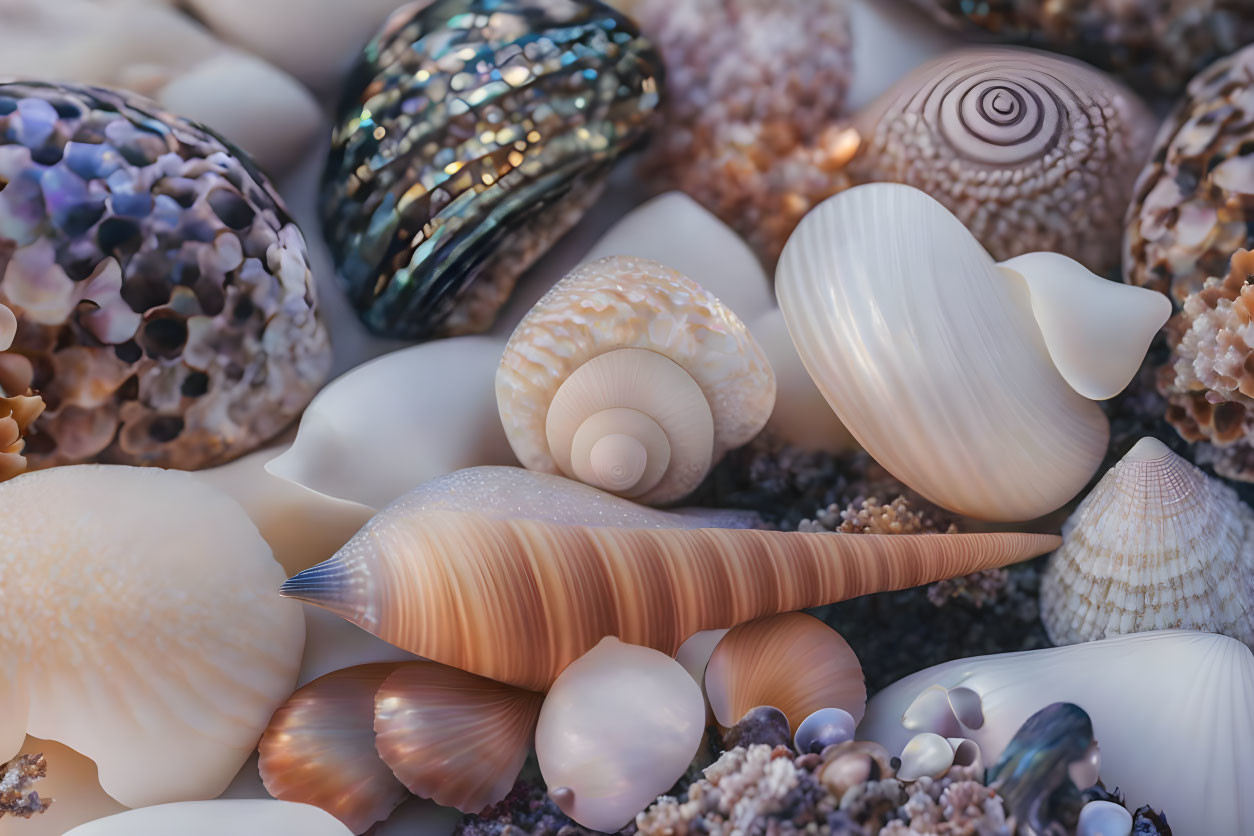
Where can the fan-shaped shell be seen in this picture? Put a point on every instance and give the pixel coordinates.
(454, 737)
(239, 817)
(319, 749)
(1195, 765)
(1157, 544)
(1030, 151)
(595, 348)
(141, 627)
(791, 661)
(550, 566)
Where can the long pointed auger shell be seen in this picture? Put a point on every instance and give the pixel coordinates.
(513, 575)
(1172, 710)
(1157, 544)
(791, 661)
(319, 749)
(140, 627)
(454, 737)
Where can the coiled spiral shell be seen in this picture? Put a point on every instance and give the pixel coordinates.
(630, 377)
(1030, 151)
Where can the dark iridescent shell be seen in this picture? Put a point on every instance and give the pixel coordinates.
(1033, 774)
(164, 301)
(474, 133)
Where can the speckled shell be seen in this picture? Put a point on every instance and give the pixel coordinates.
(1030, 151)
(472, 134)
(1194, 200)
(165, 305)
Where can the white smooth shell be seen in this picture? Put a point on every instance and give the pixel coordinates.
(1104, 818)
(1173, 712)
(400, 420)
(926, 754)
(694, 654)
(8, 326)
(238, 817)
(618, 728)
(142, 627)
(930, 355)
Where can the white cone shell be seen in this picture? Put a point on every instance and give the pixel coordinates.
(930, 355)
(142, 627)
(1156, 545)
(1173, 712)
(238, 817)
(618, 728)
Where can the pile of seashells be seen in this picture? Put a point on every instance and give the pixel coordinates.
(496, 581)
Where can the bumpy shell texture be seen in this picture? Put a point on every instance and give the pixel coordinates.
(165, 305)
(472, 134)
(1030, 151)
(17, 413)
(1194, 200)
(141, 627)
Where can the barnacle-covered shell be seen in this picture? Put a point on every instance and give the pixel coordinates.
(473, 133)
(550, 566)
(629, 376)
(1030, 151)
(164, 299)
(1157, 544)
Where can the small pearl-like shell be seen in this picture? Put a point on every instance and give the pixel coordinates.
(926, 754)
(824, 728)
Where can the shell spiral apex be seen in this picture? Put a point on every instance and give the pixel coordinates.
(630, 377)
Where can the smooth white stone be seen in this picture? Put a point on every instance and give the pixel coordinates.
(238, 817)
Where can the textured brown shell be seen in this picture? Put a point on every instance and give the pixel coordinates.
(16, 415)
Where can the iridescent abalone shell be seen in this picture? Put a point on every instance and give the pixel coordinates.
(164, 301)
(473, 133)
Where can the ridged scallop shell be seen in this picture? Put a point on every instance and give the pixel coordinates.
(319, 749)
(1191, 209)
(550, 567)
(472, 134)
(236, 816)
(587, 321)
(791, 661)
(141, 627)
(1157, 544)
(1030, 151)
(1171, 711)
(165, 305)
(893, 306)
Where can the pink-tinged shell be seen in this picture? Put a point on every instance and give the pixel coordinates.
(319, 749)
(791, 661)
(454, 737)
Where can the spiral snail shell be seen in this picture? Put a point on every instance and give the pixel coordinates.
(1030, 151)
(630, 377)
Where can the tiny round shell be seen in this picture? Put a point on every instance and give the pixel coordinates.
(618, 303)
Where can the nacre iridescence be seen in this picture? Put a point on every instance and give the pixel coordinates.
(472, 134)
(165, 305)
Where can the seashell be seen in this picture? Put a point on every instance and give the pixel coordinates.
(16, 416)
(8, 326)
(762, 725)
(319, 749)
(1033, 773)
(1030, 151)
(154, 594)
(472, 135)
(237, 816)
(694, 654)
(944, 711)
(163, 295)
(926, 755)
(551, 566)
(630, 377)
(878, 330)
(1190, 209)
(825, 727)
(376, 432)
(852, 763)
(1195, 767)
(454, 737)
(1104, 818)
(1157, 544)
(619, 727)
(791, 661)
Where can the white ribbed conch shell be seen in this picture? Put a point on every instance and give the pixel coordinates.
(1173, 712)
(1157, 544)
(513, 574)
(141, 627)
(959, 376)
(619, 727)
(630, 377)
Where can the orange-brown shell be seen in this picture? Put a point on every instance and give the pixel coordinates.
(16, 415)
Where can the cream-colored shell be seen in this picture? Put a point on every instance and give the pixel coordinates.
(619, 303)
(236, 816)
(1157, 544)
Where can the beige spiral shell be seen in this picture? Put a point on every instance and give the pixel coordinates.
(455, 573)
(630, 377)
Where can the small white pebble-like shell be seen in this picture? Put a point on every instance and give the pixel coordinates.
(1104, 818)
(926, 754)
(8, 327)
(238, 817)
(618, 728)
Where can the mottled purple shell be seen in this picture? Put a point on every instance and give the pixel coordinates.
(164, 300)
